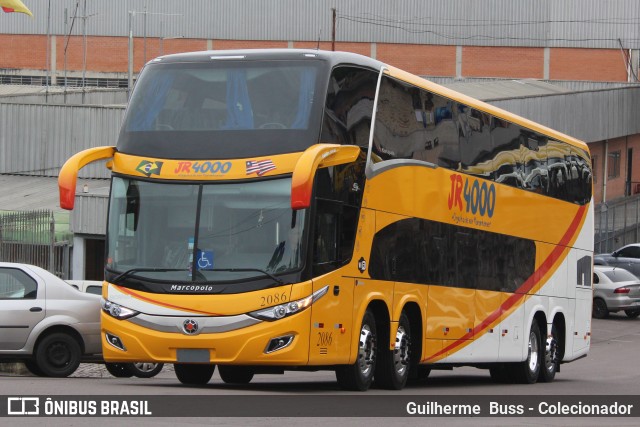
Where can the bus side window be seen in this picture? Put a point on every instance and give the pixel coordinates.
(349, 106)
(336, 216)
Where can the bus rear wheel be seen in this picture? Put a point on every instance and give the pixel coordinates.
(551, 356)
(193, 374)
(393, 367)
(527, 372)
(235, 374)
(359, 376)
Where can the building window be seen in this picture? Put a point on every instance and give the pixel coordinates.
(614, 165)
(594, 168)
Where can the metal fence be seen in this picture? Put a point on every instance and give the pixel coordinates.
(617, 224)
(30, 237)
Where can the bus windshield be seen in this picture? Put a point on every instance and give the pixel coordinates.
(199, 232)
(233, 109)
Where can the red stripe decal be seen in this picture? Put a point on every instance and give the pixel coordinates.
(523, 290)
(177, 307)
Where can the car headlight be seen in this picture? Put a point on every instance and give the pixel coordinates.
(116, 310)
(283, 310)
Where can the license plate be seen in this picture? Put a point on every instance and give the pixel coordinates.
(192, 355)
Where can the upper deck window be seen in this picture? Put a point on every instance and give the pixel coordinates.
(224, 109)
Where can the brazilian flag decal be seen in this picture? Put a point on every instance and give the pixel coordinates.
(149, 168)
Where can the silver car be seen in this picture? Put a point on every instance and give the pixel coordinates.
(615, 289)
(627, 257)
(46, 323)
(119, 370)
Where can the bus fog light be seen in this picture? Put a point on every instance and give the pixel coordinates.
(115, 341)
(278, 343)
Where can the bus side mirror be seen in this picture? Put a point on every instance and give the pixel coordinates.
(69, 172)
(315, 157)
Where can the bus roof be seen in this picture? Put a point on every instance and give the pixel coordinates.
(348, 58)
(334, 58)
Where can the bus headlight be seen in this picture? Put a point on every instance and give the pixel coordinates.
(116, 310)
(283, 310)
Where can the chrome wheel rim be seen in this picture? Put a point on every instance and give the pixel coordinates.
(533, 352)
(401, 351)
(366, 351)
(550, 354)
(145, 367)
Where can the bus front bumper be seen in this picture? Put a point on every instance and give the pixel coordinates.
(173, 340)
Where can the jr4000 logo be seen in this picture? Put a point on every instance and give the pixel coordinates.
(472, 195)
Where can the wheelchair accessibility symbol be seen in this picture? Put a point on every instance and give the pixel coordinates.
(205, 260)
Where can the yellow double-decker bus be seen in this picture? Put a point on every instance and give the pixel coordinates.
(278, 210)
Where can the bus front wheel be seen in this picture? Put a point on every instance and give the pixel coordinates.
(235, 374)
(359, 376)
(194, 374)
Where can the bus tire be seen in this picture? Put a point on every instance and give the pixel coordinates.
(235, 374)
(551, 355)
(359, 376)
(193, 374)
(527, 371)
(420, 374)
(392, 369)
(118, 370)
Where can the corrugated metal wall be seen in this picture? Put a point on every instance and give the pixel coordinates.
(552, 23)
(90, 214)
(38, 139)
(590, 116)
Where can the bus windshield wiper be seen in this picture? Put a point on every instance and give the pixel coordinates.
(140, 270)
(266, 273)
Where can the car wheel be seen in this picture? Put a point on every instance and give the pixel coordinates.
(32, 367)
(235, 374)
(600, 310)
(145, 370)
(359, 376)
(119, 370)
(194, 374)
(58, 355)
(632, 313)
(527, 372)
(392, 369)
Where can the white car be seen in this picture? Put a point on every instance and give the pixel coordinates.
(615, 289)
(46, 323)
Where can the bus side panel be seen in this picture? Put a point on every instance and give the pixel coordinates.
(487, 340)
(450, 313)
(580, 277)
(511, 328)
(331, 321)
(409, 293)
